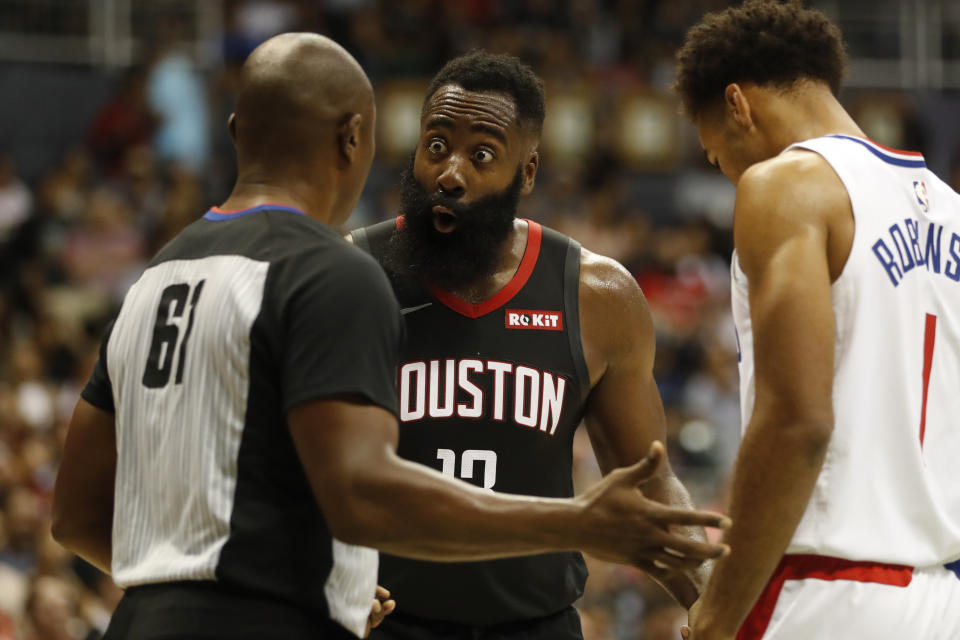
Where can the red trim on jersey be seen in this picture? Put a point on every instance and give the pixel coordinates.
(805, 566)
(244, 210)
(502, 297)
(929, 336)
(892, 150)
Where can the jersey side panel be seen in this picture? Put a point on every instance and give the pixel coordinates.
(212, 304)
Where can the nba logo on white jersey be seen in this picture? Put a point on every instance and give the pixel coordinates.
(920, 189)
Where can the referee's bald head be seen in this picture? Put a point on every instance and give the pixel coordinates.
(305, 111)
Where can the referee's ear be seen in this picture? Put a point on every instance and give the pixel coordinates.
(348, 138)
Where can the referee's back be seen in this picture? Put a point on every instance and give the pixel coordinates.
(243, 316)
(184, 475)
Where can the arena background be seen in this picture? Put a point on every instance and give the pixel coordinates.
(113, 137)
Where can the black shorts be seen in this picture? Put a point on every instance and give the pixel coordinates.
(564, 625)
(208, 611)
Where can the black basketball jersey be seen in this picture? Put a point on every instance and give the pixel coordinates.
(243, 316)
(492, 393)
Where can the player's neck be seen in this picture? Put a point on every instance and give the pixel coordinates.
(812, 114)
(513, 250)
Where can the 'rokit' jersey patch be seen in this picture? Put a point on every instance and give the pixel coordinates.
(529, 319)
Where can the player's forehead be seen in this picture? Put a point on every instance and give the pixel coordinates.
(453, 107)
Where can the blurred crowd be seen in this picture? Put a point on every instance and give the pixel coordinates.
(157, 155)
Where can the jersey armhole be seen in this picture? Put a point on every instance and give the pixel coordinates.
(571, 309)
(361, 240)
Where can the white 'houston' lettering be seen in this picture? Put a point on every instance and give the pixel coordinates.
(419, 396)
(436, 411)
(552, 405)
(520, 403)
(537, 395)
(500, 369)
(474, 410)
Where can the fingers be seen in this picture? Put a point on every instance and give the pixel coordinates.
(685, 632)
(668, 561)
(689, 517)
(388, 608)
(380, 609)
(382, 593)
(647, 467)
(695, 549)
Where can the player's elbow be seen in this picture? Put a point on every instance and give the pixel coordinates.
(811, 434)
(63, 527)
(78, 524)
(800, 427)
(355, 509)
(348, 524)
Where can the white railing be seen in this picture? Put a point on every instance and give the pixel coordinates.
(899, 44)
(106, 33)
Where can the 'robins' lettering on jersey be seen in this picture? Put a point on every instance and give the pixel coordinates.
(911, 250)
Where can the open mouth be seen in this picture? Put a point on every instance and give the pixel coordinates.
(444, 220)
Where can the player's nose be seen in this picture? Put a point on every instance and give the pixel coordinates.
(451, 181)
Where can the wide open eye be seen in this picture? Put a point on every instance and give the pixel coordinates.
(436, 146)
(483, 156)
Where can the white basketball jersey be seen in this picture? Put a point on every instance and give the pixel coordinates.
(889, 490)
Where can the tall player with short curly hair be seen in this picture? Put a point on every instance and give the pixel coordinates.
(845, 502)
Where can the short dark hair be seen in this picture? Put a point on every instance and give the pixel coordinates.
(481, 70)
(761, 41)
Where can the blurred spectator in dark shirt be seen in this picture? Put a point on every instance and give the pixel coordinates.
(124, 122)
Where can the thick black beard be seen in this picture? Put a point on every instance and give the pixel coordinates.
(469, 253)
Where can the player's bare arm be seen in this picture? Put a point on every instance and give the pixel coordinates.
(791, 216)
(624, 411)
(372, 497)
(83, 494)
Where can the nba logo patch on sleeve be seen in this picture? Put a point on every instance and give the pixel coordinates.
(920, 190)
(529, 319)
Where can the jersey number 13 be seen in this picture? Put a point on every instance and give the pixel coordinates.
(487, 458)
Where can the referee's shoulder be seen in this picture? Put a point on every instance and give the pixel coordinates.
(319, 248)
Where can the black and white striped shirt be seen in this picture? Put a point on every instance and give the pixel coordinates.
(240, 318)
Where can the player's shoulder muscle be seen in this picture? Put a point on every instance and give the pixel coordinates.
(794, 192)
(615, 317)
(606, 283)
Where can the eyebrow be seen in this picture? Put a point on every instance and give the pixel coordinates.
(491, 131)
(440, 121)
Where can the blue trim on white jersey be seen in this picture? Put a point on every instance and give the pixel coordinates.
(954, 566)
(216, 217)
(884, 155)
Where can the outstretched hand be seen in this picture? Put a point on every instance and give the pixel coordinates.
(627, 527)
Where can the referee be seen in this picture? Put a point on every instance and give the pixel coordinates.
(250, 377)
